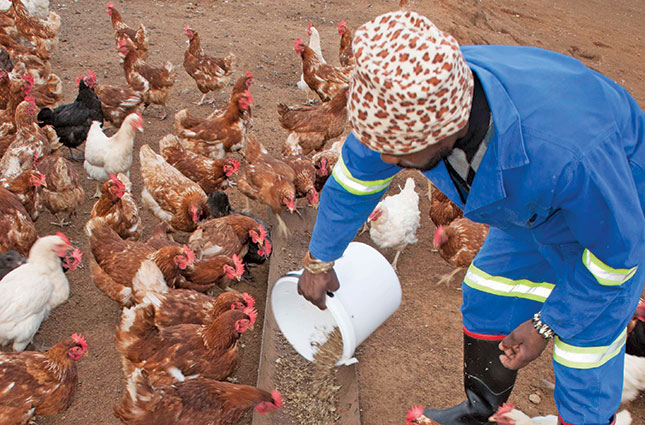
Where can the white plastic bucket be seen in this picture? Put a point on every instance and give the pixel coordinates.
(369, 293)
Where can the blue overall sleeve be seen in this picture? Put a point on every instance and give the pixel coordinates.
(600, 204)
(358, 182)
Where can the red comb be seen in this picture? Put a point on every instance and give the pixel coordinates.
(115, 179)
(187, 27)
(80, 340)
(123, 43)
(78, 79)
(249, 74)
(297, 43)
(190, 256)
(277, 398)
(248, 299)
(342, 24)
(77, 255)
(64, 238)
(239, 265)
(252, 313)
(92, 75)
(110, 4)
(235, 163)
(266, 251)
(266, 406)
(263, 232)
(309, 25)
(505, 408)
(415, 412)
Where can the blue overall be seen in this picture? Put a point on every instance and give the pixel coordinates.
(562, 186)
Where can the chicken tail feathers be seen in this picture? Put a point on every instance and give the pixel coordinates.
(137, 390)
(137, 323)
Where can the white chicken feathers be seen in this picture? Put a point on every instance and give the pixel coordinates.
(516, 417)
(634, 377)
(397, 225)
(105, 155)
(30, 292)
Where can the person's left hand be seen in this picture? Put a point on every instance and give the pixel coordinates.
(522, 346)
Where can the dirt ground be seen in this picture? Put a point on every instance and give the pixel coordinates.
(415, 357)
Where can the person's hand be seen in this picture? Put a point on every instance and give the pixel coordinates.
(314, 287)
(522, 346)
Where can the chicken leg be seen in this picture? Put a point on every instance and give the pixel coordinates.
(446, 278)
(62, 222)
(396, 258)
(282, 226)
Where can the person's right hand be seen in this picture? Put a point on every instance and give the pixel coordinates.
(314, 287)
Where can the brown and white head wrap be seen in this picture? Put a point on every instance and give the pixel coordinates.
(411, 86)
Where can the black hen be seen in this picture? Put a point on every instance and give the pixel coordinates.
(220, 207)
(9, 261)
(73, 121)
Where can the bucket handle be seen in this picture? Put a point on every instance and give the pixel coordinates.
(299, 273)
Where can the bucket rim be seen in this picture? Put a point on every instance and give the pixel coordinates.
(337, 312)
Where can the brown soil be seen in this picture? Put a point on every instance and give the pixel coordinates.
(415, 357)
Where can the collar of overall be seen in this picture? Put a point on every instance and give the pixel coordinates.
(467, 154)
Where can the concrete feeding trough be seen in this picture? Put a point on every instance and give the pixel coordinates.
(286, 256)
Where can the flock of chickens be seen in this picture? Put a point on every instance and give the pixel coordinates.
(178, 344)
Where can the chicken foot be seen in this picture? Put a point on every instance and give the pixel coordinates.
(203, 102)
(62, 222)
(448, 277)
(282, 226)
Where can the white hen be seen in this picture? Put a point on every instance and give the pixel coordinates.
(105, 155)
(314, 44)
(509, 415)
(32, 290)
(395, 220)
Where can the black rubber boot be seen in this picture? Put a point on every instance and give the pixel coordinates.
(487, 382)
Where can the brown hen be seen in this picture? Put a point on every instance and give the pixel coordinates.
(62, 192)
(268, 180)
(442, 210)
(345, 52)
(171, 196)
(27, 187)
(210, 73)
(17, 231)
(173, 353)
(117, 261)
(211, 175)
(458, 243)
(327, 81)
(123, 32)
(196, 401)
(216, 134)
(153, 83)
(38, 383)
(117, 208)
(310, 127)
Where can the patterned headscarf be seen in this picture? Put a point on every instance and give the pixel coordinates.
(411, 86)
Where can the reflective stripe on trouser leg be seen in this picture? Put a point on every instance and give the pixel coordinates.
(590, 396)
(506, 284)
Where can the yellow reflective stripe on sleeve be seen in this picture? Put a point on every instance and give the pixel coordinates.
(604, 274)
(498, 285)
(587, 357)
(355, 186)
